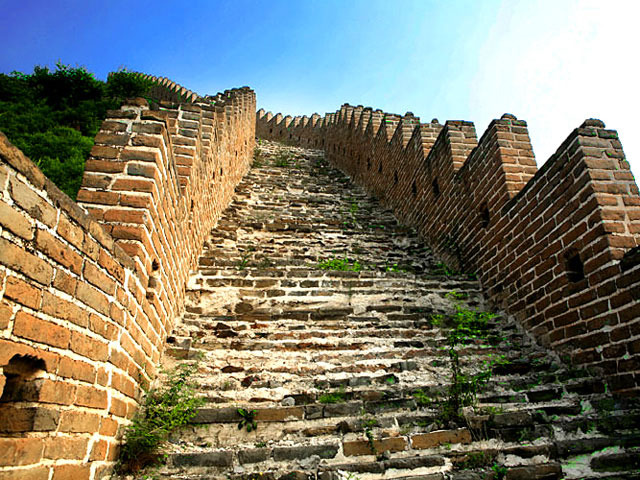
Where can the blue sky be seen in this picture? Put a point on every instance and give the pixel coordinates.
(552, 63)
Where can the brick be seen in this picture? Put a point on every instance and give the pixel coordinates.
(101, 166)
(138, 200)
(99, 279)
(90, 396)
(72, 472)
(6, 314)
(630, 313)
(152, 141)
(92, 297)
(71, 232)
(619, 333)
(129, 232)
(42, 331)
(79, 422)
(202, 459)
(97, 180)
(109, 427)
(65, 282)
(104, 328)
(537, 472)
(106, 261)
(28, 419)
(253, 455)
(97, 197)
(113, 451)
(15, 222)
(123, 384)
(34, 473)
(126, 215)
(139, 154)
(434, 439)
(117, 314)
(118, 408)
(45, 391)
(4, 174)
(89, 347)
(111, 139)
(279, 414)
(22, 292)
(98, 232)
(134, 185)
(103, 377)
(292, 453)
(99, 451)
(64, 310)
(142, 170)
(101, 151)
(24, 262)
(113, 126)
(122, 114)
(36, 206)
(614, 351)
(20, 451)
(63, 447)
(621, 382)
(76, 369)
(58, 251)
(362, 447)
(151, 128)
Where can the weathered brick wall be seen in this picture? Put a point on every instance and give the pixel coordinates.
(557, 247)
(88, 300)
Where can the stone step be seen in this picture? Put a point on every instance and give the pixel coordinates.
(400, 415)
(347, 279)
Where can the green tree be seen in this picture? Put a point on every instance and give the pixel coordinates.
(53, 116)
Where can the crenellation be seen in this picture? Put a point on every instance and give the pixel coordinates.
(484, 207)
(105, 290)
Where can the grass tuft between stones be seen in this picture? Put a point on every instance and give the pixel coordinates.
(165, 409)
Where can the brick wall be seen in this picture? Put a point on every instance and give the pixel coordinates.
(556, 247)
(88, 300)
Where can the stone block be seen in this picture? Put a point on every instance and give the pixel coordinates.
(28, 419)
(20, 451)
(441, 437)
(415, 462)
(254, 455)
(362, 447)
(202, 459)
(301, 452)
(282, 414)
(342, 409)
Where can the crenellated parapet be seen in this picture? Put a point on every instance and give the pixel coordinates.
(90, 292)
(557, 247)
(168, 90)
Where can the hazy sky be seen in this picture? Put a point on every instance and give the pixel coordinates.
(552, 63)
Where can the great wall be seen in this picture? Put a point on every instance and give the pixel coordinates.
(187, 247)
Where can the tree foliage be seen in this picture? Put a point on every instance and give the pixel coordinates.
(53, 116)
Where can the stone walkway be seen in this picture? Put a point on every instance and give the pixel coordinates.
(314, 308)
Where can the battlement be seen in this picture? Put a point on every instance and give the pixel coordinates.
(91, 291)
(556, 247)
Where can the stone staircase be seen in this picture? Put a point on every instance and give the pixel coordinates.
(314, 311)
